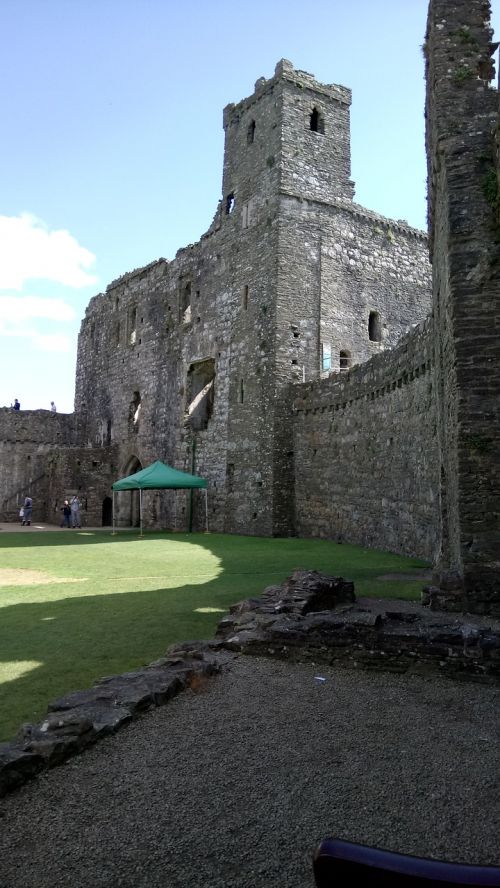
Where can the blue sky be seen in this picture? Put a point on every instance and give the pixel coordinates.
(111, 153)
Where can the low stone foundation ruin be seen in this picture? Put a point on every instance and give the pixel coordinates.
(311, 617)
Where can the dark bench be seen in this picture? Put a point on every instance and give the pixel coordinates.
(338, 864)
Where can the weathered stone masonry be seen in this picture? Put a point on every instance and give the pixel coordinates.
(292, 277)
(273, 356)
(462, 118)
(367, 470)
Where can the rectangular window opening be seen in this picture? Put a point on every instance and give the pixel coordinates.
(326, 356)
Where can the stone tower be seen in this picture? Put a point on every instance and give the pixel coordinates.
(288, 141)
(197, 361)
(462, 119)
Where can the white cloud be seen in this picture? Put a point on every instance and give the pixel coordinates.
(16, 310)
(17, 314)
(29, 251)
(53, 342)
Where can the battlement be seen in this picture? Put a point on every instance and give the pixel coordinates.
(285, 70)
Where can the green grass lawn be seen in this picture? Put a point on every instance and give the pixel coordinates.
(113, 603)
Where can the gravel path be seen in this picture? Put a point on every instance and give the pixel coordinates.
(234, 785)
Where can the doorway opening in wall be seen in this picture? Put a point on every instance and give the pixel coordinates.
(345, 360)
(107, 511)
(127, 503)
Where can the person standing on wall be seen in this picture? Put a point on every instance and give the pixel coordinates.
(28, 510)
(17, 405)
(52, 407)
(76, 520)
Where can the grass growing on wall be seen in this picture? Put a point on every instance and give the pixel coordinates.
(76, 606)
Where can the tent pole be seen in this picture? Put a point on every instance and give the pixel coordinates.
(113, 532)
(206, 508)
(140, 505)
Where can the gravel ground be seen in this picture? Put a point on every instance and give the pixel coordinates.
(233, 785)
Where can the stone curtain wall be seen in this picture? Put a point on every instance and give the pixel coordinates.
(29, 441)
(365, 452)
(40, 456)
(462, 117)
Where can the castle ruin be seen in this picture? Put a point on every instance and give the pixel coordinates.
(300, 356)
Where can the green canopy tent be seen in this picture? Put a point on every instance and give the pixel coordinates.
(159, 476)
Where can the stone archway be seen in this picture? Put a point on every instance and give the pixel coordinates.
(128, 506)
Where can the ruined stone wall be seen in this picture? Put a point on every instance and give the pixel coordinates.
(340, 267)
(365, 452)
(289, 265)
(40, 456)
(462, 117)
(191, 361)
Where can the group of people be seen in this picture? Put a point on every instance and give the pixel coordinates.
(72, 513)
(26, 511)
(17, 406)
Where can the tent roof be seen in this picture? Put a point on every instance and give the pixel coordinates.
(158, 476)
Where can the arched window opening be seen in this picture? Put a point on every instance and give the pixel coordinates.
(374, 327)
(134, 412)
(251, 132)
(245, 297)
(200, 393)
(345, 360)
(230, 203)
(317, 121)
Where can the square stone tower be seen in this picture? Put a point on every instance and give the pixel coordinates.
(191, 361)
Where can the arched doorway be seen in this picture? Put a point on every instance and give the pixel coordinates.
(128, 505)
(107, 511)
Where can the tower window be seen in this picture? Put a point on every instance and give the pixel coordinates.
(134, 412)
(317, 121)
(185, 302)
(242, 391)
(374, 327)
(230, 203)
(345, 360)
(132, 325)
(251, 132)
(326, 356)
(245, 297)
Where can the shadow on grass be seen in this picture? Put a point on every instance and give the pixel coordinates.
(66, 644)
(75, 641)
